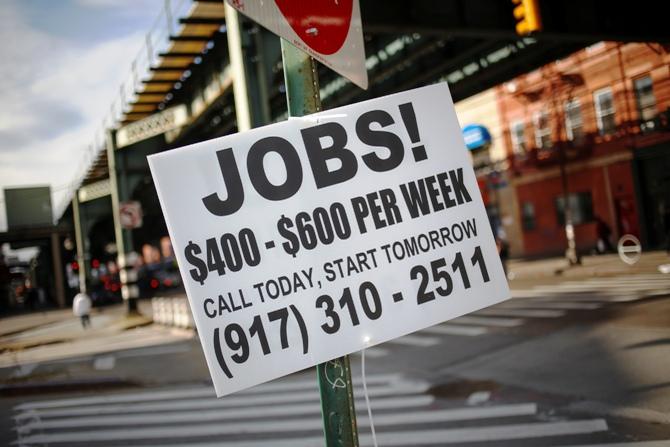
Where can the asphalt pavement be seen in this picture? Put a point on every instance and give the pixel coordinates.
(579, 357)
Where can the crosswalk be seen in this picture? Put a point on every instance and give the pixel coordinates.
(540, 302)
(287, 413)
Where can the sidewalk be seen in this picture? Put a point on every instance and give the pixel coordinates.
(57, 335)
(553, 269)
(39, 338)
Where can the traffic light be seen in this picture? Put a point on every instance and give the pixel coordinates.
(527, 14)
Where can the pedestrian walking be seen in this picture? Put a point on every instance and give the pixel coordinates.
(81, 307)
(603, 232)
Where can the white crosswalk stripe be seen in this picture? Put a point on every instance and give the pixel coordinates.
(538, 302)
(489, 321)
(404, 415)
(550, 304)
(240, 425)
(415, 341)
(661, 443)
(521, 313)
(199, 404)
(373, 352)
(455, 329)
(605, 290)
(276, 386)
(285, 385)
(391, 440)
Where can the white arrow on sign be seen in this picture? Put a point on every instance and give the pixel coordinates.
(328, 30)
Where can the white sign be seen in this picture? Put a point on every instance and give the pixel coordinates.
(95, 190)
(329, 31)
(130, 215)
(309, 239)
(629, 248)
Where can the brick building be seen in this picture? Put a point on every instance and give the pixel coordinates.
(491, 166)
(600, 117)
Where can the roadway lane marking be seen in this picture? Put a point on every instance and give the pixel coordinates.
(454, 329)
(415, 340)
(490, 433)
(601, 286)
(661, 443)
(373, 352)
(489, 321)
(635, 279)
(656, 292)
(587, 297)
(277, 426)
(279, 386)
(525, 313)
(394, 438)
(154, 350)
(104, 362)
(596, 296)
(310, 409)
(553, 304)
(397, 389)
(366, 441)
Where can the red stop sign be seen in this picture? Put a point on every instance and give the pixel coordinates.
(322, 24)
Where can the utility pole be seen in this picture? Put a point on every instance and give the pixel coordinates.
(555, 82)
(337, 398)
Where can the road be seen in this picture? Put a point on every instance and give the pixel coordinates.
(580, 362)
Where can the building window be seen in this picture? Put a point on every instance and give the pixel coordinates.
(574, 128)
(604, 102)
(581, 208)
(542, 130)
(518, 138)
(528, 216)
(646, 102)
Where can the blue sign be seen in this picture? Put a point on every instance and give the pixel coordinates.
(476, 136)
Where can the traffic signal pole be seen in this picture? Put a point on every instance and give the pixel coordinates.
(334, 377)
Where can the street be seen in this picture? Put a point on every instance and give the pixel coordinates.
(329, 223)
(571, 362)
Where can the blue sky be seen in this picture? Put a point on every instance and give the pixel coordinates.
(62, 65)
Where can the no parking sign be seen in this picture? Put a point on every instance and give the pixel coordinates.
(329, 31)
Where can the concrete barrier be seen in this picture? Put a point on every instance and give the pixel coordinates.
(173, 312)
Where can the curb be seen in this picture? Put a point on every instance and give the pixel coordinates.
(172, 312)
(58, 386)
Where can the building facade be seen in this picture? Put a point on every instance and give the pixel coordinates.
(588, 137)
(491, 165)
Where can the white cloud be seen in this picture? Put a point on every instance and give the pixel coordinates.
(54, 98)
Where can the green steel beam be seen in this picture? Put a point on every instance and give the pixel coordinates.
(337, 397)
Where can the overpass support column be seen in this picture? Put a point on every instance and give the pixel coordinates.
(57, 260)
(126, 255)
(79, 224)
(249, 88)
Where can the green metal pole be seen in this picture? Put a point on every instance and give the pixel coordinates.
(124, 238)
(79, 241)
(337, 395)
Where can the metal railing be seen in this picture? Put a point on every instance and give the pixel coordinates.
(157, 40)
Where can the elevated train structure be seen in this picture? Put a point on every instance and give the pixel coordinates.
(181, 89)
